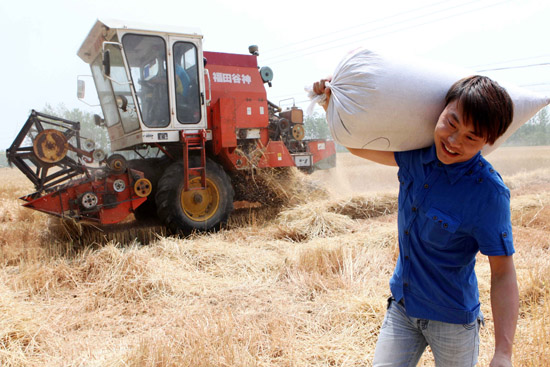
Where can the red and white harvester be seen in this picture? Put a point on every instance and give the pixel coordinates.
(184, 126)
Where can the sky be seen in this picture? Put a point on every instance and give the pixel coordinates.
(301, 41)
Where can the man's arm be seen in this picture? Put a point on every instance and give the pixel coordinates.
(378, 156)
(505, 306)
(382, 157)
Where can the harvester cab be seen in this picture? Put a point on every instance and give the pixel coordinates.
(187, 128)
(150, 84)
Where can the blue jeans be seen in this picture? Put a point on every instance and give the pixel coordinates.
(403, 339)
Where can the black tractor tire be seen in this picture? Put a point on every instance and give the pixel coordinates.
(153, 169)
(181, 211)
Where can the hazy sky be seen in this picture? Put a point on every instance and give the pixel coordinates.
(301, 41)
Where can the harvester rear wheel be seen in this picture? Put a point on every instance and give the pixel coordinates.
(184, 211)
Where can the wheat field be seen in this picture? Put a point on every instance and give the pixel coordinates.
(303, 285)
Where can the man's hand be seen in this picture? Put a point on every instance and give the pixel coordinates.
(320, 88)
(505, 304)
(500, 360)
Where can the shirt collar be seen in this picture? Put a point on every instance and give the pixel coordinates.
(454, 171)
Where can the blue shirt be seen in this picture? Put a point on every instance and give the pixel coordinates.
(182, 81)
(447, 213)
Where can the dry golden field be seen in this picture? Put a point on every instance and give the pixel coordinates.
(306, 286)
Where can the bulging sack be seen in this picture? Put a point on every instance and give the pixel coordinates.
(392, 103)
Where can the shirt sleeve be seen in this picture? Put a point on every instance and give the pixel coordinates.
(493, 230)
(404, 159)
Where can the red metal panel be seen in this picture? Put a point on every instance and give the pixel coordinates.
(223, 124)
(220, 58)
(321, 149)
(243, 84)
(276, 155)
(65, 202)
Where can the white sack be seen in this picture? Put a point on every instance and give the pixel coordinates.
(392, 103)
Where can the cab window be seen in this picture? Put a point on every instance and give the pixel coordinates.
(186, 81)
(146, 57)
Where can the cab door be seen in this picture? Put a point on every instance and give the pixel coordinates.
(188, 102)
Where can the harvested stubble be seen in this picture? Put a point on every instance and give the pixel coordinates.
(244, 296)
(344, 262)
(20, 336)
(123, 274)
(531, 210)
(215, 338)
(523, 180)
(88, 234)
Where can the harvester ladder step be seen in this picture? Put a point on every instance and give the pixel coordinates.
(194, 141)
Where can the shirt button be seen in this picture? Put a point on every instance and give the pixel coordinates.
(406, 258)
(426, 186)
(445, 225)
(439, 164)
(407, 233)
(414, 208)
(434, 217)
(504, 234)
(406, 284)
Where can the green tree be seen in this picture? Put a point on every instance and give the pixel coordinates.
(316, 127)
(3, 159)
(536, 131)
(88, 128)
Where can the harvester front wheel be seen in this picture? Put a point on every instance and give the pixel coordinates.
(201, 209)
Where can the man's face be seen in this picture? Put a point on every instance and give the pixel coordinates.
(455, 140)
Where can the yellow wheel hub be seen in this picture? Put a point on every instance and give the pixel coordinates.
(298, 132)
(50, 146)
(200, 205)
(143, 187)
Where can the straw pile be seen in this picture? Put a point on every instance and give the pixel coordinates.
(310, 221)
(277, 187)
(364, 207)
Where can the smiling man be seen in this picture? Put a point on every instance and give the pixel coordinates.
(452, 205)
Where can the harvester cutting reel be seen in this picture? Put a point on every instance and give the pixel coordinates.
(49, 152)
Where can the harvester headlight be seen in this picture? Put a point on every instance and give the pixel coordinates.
(266, 73)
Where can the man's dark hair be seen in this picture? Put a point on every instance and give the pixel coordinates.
(485, 103)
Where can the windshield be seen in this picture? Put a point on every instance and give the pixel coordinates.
(115, 94)
(105, 93)
(146, 57)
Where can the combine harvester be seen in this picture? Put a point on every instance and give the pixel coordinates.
(195, 123)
